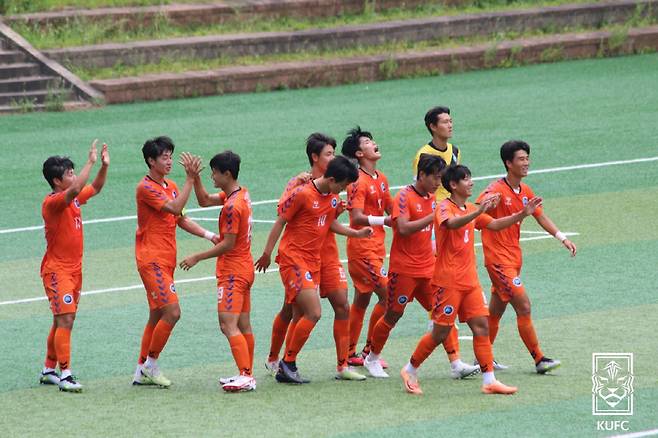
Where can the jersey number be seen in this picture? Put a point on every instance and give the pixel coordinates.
(466, 236)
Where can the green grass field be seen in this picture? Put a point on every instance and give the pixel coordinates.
(604, 300)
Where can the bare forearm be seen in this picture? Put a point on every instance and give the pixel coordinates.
(202, 196)
(176, 206)
(273, 237)
(192, 227)
(507, 221)
(341, 229)
(407, 228)
(99, 181)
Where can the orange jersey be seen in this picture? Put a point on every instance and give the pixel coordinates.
(155, 241)
(412, 255)
(236, 218)
(503, 247)
(63, 227)
(455, 264)
(370, 194)
(309, 215)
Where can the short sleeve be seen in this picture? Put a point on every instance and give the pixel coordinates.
(400, 206)
(482, 221)
(231, 217)
(149, 195)
(55, 202)
(540, 210)
(87, 192)
(491, 188)
(356, 195)
(444, 213)
(289, 206)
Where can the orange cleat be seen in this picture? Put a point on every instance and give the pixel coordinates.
(498, 388)
(411, 384)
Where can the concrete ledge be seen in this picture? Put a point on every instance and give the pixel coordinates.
(48, 66)
(216, 13)
(208, 47)
(374, 68)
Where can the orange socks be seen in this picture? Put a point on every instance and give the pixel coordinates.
(425, 347)
(62, 344)
(240, 351)
(483, 353)
(291, 331)
(159, 339)
(146, 343)
(527, 332)
(494, 323)
(251, 344)
(356, 324)
(451, 344)
(380, 335)
(51, 355)
(377, 313)
(302, 332)
(279, 327)
(342, 339)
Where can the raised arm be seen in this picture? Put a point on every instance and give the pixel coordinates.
(504, 222)
(83, 176)
(101, 176)
(547, 224)
(204, 198)
(192, 167)
(489, 202)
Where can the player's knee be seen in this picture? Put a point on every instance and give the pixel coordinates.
(313, 315)
(392, 318)
(228, 329)
(65, 321)
(440, 332)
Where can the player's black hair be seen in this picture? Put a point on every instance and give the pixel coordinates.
(430, 164)
(433, 115)
(454, 173)
(509, 148)
(55, 167)
(352, 141)
(315, 143)
(155, 147)
(342, 169)
(227, 160)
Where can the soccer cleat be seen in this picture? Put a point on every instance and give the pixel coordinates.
(288, 373)
(546, 364)
(498, 388)
(272, 367)
(348, 373)
(364, 353)
(138, 378)
(69, 384)
(410, 381)
(240, 384)
(224, 380)
(356, 360)
(497, 365)
(374, 367)
(464, 370)
(153, 376)
(49, 378)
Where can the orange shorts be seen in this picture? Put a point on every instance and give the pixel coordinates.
(332, 278)
(63, 291)
(296, 278)
(159, 284)
(468, 304)
(403, 289)
(367, 274)
(505, 282)
(234, 293)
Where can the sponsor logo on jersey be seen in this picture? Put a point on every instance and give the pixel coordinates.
(316, 204)
(373, 190)
(419, 208)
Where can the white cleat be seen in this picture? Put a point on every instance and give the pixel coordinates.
(49, 378)
(241, 384)
(69, 384)
(374, 367)
(225, 380)
(463, 370)
(497, 366)
(272, 367)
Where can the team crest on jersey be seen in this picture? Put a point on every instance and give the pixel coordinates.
(516, 281)
(76, 203)
(403, 299)
(525, 200)
(383, 186)
(316, 204)
(308, 276)
(68, 299)
(447, 310)
(383, 272)
(172, 288)
(334, 203)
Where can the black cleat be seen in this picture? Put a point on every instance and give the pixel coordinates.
(288, 373)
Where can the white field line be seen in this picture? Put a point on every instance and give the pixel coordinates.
(274, 201)
(196, 280)
(652, 432)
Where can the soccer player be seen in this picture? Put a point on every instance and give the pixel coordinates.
(438, 122)
(61, 267)
(369, 203)
(159, 210)
(457, 290)
(308, 213)
(502, 251)
(412, 259)
(235, 266)
(320, 151)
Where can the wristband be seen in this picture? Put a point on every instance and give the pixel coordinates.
(376, 220)
(209, 235)
(560, 236)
